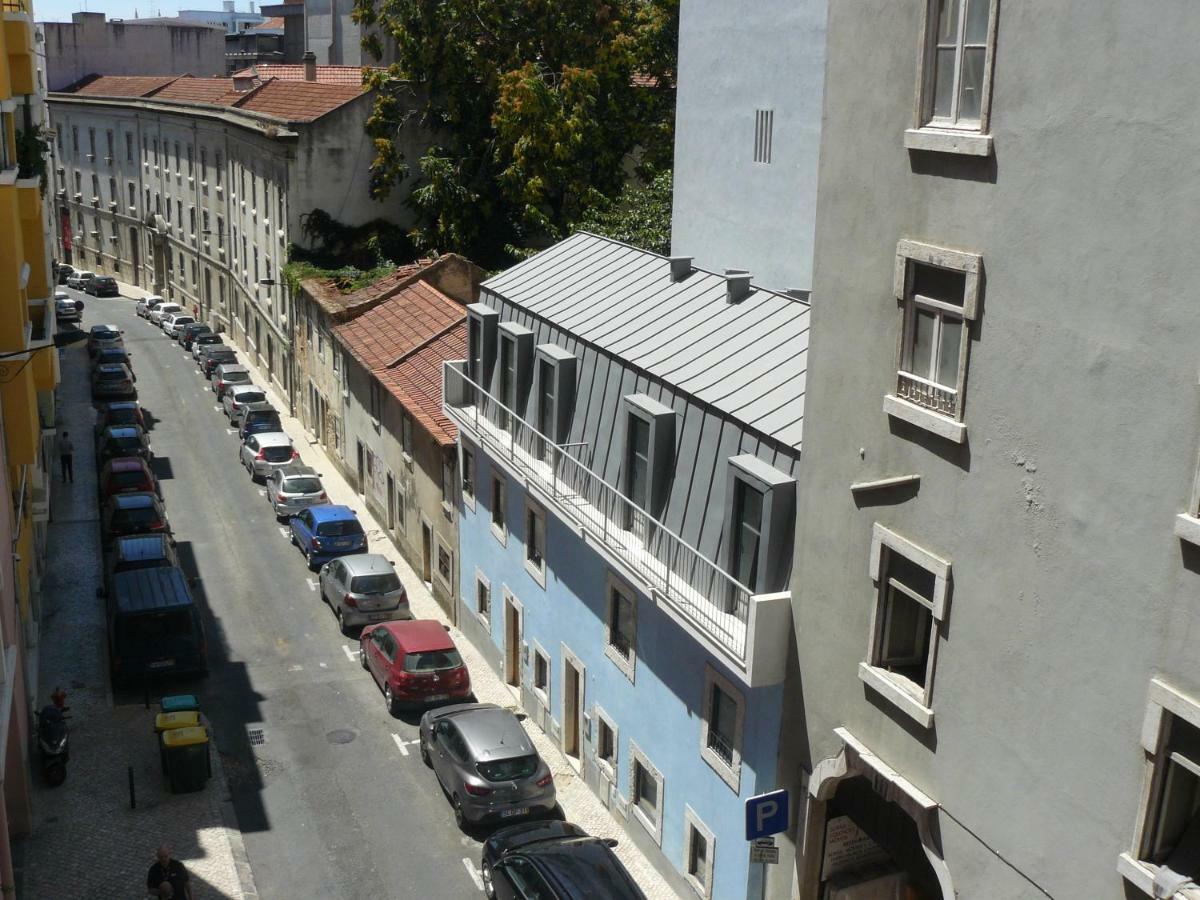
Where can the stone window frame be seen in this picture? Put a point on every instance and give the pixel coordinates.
(1163, 704)
(693, 825)
(484, 617)
(929, 134)
(628, 666)
(468, 464)
(535, 510)
(609, 767)
(729, 772)
(917, 704)
(910, 253)
(543, 694)
(440, 544)
(499, 530)
(638, 757)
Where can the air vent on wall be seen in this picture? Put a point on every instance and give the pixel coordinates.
(764, 126)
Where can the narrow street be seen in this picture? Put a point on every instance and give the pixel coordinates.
(329, 790)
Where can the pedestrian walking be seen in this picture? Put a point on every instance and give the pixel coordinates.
(66, 455)
(170, 872)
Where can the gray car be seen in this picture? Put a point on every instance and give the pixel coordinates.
(226, 375)
(293, 488)
(363, 588)
(262, 454)
(237, 397)
(486, 763)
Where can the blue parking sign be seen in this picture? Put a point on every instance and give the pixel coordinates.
(766, 814)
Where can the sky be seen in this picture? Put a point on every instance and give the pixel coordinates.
(60, 10)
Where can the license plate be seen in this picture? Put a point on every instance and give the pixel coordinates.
(344, 545)
(433, 698)
(519, 811)
(379, 616)
(161, 664)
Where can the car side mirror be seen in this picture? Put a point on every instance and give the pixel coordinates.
(610, 843)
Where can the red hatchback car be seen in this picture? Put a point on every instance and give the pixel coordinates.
(415, 662)
(125, 475)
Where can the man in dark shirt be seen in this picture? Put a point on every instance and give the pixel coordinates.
(172, 872)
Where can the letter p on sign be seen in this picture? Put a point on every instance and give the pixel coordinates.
(766, 814)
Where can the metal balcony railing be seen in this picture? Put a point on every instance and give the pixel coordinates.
(697, 588)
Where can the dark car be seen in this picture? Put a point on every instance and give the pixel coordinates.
(112, 381)
(200, 341)
(154, 625)
(103, 286)
(121, 440)
(218, 356)
(112, 355)
(139, 551)
(549, 860)
(119, 412)
(103, 336)
(258, 418)
(126, 514)
(65, 271)
(126, 475)
(190, 332)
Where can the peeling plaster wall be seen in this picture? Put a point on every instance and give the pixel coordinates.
(1070, 590)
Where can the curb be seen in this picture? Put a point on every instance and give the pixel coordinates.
(237, 847)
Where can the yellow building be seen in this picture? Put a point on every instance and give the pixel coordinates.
(28, 376)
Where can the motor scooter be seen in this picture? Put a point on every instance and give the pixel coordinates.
(53, 739)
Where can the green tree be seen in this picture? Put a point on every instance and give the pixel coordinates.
(535, 105)
(640, 215)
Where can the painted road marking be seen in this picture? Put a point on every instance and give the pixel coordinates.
(295, 668)
(473, 872)
(323, 665)
(285, 532)
(400, 743)
(351, 655)
(231, 430)
(262, 492)
(219, 408)
(312, 586)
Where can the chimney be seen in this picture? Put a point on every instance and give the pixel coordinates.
(737, 285)
(310, 66)
(681, 267)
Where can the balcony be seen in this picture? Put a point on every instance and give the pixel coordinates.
(751, 632)
(927, 394)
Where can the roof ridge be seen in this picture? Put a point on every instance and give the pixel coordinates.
(237, 104)
(425, 343)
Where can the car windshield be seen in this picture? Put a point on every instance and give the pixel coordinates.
(129, 565)
(106, 335)
(209, 339)
(250, 397)
(508, 769)
(302, 485)
(129, 479)
(111, 375)
(125, 443)
(264, 421)
(375, 584)
(183, 320)
(345, 528)
(142, 515)
(432, 660)
(235, 377)
(122, 416)
(148, 630)
(278, 454)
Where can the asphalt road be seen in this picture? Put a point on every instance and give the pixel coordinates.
(334, 802)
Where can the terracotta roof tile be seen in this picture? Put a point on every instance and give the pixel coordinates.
(123, 85)
(273, 22)
(334, 302)
(298, 101)
(200, 90)
(400, 324)
(416, 381)
(351, 75)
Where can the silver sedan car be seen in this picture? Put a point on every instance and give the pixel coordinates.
(263, 453)
(486, 763)
(293, 488)
(237, 397)
(363, 588)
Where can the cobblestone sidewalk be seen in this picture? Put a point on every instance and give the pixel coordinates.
(578, 802)
(87, 842)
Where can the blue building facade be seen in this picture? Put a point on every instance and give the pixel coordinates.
(625, 539)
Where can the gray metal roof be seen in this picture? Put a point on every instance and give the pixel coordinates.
(748, 359)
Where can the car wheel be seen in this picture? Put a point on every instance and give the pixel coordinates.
(309, 558)
(342, 626)
(362, 658)
(292, 537)
(486, 875)
(425, 753)
(390, 699)
(460, 818)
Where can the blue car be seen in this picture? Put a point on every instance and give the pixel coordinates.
(323, 532)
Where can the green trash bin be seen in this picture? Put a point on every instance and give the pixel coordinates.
(186, 753)
(179, 703)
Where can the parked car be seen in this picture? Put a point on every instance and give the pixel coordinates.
(188, 333)
(127, 475)
(414, 663)
(139, 551)
(323, 532)
(159, 312)
(293, 488)
(553, 860)
(113, 381)
(103, 286)
(113, 356)
(79, 278)
(215, 355)
(486, 763)
(364, 588)
(104, 336)
(125, 514)
(226, 375)
(64, 272)
(257, 418)
(260, 454)
(146, 304)
(119, 412)
(121, 440)
(172, 325)
(154, 625)
(239, 396)
(64, 309)
(204, 340)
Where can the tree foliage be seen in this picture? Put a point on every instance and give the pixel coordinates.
(535, 105)
(640, 215)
